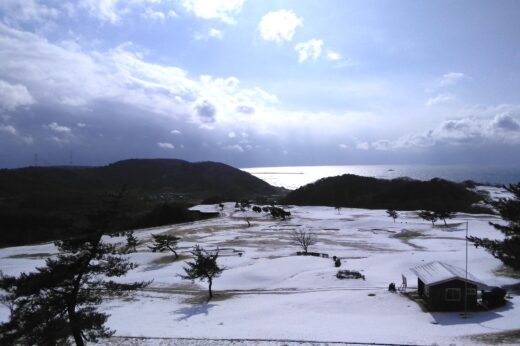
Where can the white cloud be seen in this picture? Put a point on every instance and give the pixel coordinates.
(59, 128)
(440, 98)
(176, 132)
(309, 50)
(477, 130)
(165, 145)
(451, 78)
(13, 96)
(16, 11)
(215, 33)
(232, 134)
(122, 76)
(9, 129)
(105, 10)
(343, 146)
(279, 26)
(363, 146)
(223, 10)
(212, 33)
(333, 56)
(153, 15)
(172, 14)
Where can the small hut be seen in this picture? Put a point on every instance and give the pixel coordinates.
(446, 287)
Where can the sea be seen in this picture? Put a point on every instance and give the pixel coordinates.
(293, 177)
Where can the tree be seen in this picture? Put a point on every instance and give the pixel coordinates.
(428, 216)
(392, 213)
(303, 238)
(444, 214)
(507, 250)
(131, 242)
(60, 300)
(163, 242)
(203, 267)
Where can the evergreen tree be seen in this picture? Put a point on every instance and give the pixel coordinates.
(203, 267)
(131, 242)
(392, 213)
(507, 250)
(163, 242)
(60, 300)
(428, 216)
(444, 214)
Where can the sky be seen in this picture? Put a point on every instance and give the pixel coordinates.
(260, 83)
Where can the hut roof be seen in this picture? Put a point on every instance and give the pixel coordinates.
(438, 272)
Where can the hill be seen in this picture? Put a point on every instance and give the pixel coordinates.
(402, 194)
(45, 203)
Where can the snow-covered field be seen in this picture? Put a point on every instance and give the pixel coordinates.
(269, 293)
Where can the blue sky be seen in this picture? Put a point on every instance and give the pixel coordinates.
(256, 83)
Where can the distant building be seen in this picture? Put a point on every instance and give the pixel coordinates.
(442, 286)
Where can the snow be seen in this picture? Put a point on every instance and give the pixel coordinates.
(438, 272)
(268, 293)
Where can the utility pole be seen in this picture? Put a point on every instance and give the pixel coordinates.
(466, 281)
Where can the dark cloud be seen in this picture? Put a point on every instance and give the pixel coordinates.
(455, 125)
(506, 122)
(206, 111)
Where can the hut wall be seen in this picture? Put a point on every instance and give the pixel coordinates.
(438, 296)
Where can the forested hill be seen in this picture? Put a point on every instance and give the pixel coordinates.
(46, 203)
(201, 179)
(401, 194)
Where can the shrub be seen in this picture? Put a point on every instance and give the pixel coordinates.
(349, 274)
(495, 297)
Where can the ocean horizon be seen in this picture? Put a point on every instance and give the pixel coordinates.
(293, 177)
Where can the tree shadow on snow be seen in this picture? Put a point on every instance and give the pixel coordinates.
(190, 311)
(474, 317)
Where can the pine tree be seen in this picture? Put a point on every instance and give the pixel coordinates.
(392, 213)
(163, 242)
(428, 216)
(60, 300)
(444, 214)
(203, 267)
(507, 250)
(131, 242)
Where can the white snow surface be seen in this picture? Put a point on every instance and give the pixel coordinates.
(437, 272)
(268, 293)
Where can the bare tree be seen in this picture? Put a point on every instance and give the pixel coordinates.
(303, 238)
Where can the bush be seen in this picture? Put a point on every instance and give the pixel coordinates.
(495, 297)
(337, 262)
(349, 274)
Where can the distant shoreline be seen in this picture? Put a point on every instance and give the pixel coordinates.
(293, 177)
